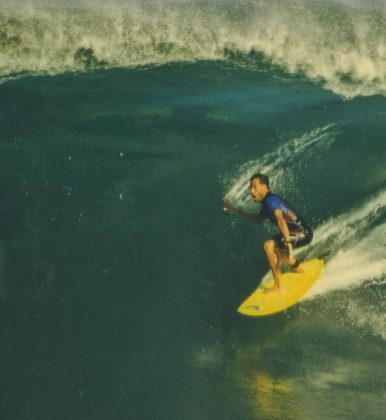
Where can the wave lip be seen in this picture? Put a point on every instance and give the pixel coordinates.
(341, 47)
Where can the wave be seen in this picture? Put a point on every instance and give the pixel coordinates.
(282, 165)
(343, 48)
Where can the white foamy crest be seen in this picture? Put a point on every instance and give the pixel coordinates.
(342, 47)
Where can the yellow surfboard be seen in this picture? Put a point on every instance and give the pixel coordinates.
(294, 287)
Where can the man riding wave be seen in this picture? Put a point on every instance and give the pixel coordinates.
(295, 232)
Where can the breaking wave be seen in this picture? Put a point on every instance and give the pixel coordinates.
(341, 47)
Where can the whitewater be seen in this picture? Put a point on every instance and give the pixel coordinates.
(343, 48)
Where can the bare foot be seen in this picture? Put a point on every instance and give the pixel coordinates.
(273, 290)
(299, 269)
(292, 260)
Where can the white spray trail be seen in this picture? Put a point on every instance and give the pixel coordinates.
(358, 259)
(361, 261)
(370, 317)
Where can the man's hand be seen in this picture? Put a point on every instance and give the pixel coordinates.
(251, 218)
(229, 206)
(291, 257)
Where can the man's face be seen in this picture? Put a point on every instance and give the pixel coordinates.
(258, 190)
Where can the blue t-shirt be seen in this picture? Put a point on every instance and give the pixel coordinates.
(293, 218)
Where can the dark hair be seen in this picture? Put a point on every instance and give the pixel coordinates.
(262, 178)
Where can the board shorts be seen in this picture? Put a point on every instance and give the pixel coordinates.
(297, 240)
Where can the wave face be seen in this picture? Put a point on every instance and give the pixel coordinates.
(342, 47)
(112, 237)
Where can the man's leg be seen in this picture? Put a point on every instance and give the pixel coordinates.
(271, 252)
(294, 263)
(284, 257)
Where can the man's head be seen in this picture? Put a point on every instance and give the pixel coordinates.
(259, 187)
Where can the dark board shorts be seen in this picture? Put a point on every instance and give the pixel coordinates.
(297, 239)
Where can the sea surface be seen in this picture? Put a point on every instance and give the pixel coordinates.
(122, 127)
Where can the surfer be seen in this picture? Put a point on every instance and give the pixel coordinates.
(294, 231)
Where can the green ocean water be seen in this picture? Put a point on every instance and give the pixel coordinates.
(120, 273)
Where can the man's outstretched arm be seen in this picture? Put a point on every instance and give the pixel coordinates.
(249, 217)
